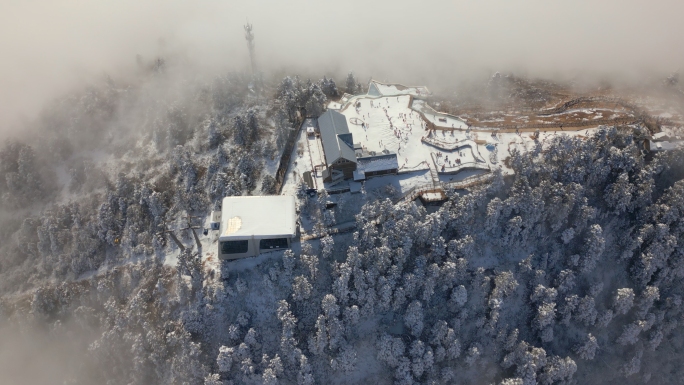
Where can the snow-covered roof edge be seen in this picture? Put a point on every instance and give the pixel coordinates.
(375, 84)
(258, 216)
(332, 125)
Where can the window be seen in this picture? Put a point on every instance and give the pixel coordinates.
(275, 243)
(234, 247)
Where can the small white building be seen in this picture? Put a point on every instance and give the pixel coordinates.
(250, 225)
(663, 145)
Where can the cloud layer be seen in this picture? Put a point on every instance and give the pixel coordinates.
(50, 46)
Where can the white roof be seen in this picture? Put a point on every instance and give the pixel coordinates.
(261, 216)
(665, 146)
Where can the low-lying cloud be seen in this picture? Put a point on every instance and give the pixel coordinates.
(48, 47)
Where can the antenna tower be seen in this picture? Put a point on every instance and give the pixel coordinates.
(249, 36)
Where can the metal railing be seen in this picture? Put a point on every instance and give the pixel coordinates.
(415, 191)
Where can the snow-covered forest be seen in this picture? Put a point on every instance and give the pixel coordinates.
(569, 271)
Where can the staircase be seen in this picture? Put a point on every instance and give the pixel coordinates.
(336, 177)
(434, 175)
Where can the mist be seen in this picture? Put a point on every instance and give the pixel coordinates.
(37, 355)
(109, 170)
(51, 47)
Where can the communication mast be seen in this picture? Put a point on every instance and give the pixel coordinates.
(249, 36)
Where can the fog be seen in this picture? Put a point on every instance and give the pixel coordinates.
(39, 356)
(48, 47)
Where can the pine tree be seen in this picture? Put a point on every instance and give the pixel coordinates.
(329, 87)
(316, 101)
(352, 86)
(623, 300)
(413, 318)
(240, 133)
(301, 289)
(587, 349)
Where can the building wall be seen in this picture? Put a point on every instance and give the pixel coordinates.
(347, 168)
(382, 172)
(253, 250)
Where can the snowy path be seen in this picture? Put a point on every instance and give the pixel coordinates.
(399, 124)
(391, 125)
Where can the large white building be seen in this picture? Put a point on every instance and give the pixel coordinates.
(250, 225)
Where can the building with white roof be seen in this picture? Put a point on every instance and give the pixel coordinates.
(250, 225)
(658, 146)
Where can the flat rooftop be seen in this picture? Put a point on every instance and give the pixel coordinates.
(259, 216)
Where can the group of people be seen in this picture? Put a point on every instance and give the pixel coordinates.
(402, 129)
(449, 162)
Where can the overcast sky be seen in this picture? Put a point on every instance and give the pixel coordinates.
(49, 46)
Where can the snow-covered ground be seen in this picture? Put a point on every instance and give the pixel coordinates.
(402, 182)
(376, 88)
(437, 118)
(306, 155)
(389, 125)
(394, 118)
(672, 132)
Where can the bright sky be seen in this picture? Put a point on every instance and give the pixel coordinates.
(49, 46)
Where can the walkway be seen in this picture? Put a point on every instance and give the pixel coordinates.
(434, 174)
